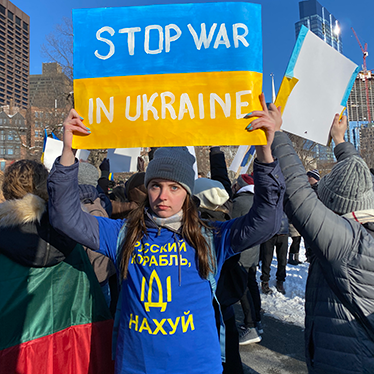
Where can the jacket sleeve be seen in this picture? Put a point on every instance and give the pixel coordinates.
(65, 213)
(325, 232)
(218, 169)
(264, 218)
(345, 150)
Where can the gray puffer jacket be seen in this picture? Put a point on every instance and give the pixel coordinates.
(344, 260)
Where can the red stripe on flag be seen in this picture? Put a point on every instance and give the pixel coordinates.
(78, 349)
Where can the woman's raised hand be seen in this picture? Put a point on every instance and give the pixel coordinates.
(268, 120)
(72, 124)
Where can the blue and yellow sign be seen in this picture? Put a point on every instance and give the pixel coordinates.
(168, 75)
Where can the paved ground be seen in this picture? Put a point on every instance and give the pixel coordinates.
(281, 350)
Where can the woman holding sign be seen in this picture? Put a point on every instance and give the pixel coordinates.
(167, 258)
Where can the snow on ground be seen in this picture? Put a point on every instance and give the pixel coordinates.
(288, 307)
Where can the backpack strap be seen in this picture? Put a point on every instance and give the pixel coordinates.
(120, 240)
(208, 235)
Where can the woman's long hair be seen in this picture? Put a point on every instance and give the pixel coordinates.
(191, 233)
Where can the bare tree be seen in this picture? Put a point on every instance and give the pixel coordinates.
(59, 46)
(306, 150)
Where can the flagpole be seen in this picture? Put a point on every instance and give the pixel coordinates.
(273, 96)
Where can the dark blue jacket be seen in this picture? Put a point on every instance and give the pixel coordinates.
(154, 326)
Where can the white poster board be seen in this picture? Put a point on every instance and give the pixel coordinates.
(191, 149)
(123, 160)
(82, 154)
(53, 149)
(325, 79)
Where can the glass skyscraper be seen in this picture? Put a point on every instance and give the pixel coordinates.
(321, 22)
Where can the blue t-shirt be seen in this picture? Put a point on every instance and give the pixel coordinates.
(167, 322)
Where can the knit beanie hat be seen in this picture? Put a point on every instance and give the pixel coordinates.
(348, 187)
(244, 180)
(174, 164)
(314, 174)
(211, 193)
(87, 174)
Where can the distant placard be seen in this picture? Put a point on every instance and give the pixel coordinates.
(123, 160)
(316, 86)
(168, 75)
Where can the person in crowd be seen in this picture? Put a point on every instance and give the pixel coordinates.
(313, 178)
(339, 227)
(162, 254)
(213, 197)
(293, 256)
(91, 202)
(134, 192)
(280, 242)
(48, 324)
(252, 328)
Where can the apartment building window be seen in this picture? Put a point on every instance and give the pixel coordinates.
(10, 151)
(25, 26)
(18, 21)
(10, 15)
(2, 9)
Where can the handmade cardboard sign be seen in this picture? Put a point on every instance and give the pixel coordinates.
(168, 75)
(317, 84)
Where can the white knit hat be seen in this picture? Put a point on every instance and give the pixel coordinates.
(211, 193)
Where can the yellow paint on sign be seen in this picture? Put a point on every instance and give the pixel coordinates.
(168, 110)
(284, 92)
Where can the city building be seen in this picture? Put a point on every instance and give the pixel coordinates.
(358, 110)
(13, 138)
(321, 22)
(14, 55)
(51, 88)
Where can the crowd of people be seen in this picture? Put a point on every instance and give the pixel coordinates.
(143, 279)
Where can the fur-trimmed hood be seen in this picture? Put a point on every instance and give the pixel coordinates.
(18, 212)
(26, 235)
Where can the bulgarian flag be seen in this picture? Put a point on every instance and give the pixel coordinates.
(54, 319)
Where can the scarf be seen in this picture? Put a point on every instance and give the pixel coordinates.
(361, 216)
(173, 223)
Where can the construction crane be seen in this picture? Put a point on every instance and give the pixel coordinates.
(365, 71)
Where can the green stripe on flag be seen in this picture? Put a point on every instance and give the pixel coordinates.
(36, 302)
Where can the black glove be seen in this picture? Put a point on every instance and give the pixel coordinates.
(105, 168)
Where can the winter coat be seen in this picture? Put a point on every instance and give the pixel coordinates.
(242, 202)
(284, 226)
(167, 321)
(344, 259)
(102, 265)
(292, 232)
(27, 236)
(47, 325)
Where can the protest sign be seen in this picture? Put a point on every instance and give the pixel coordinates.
(52, 150)
(123, 160)
(316, 86)
(191, 149)
(168, 75)
(243, 159)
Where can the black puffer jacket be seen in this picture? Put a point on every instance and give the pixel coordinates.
(344, 260)
(26, 235)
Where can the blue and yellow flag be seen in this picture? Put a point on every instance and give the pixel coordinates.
(168, 75)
